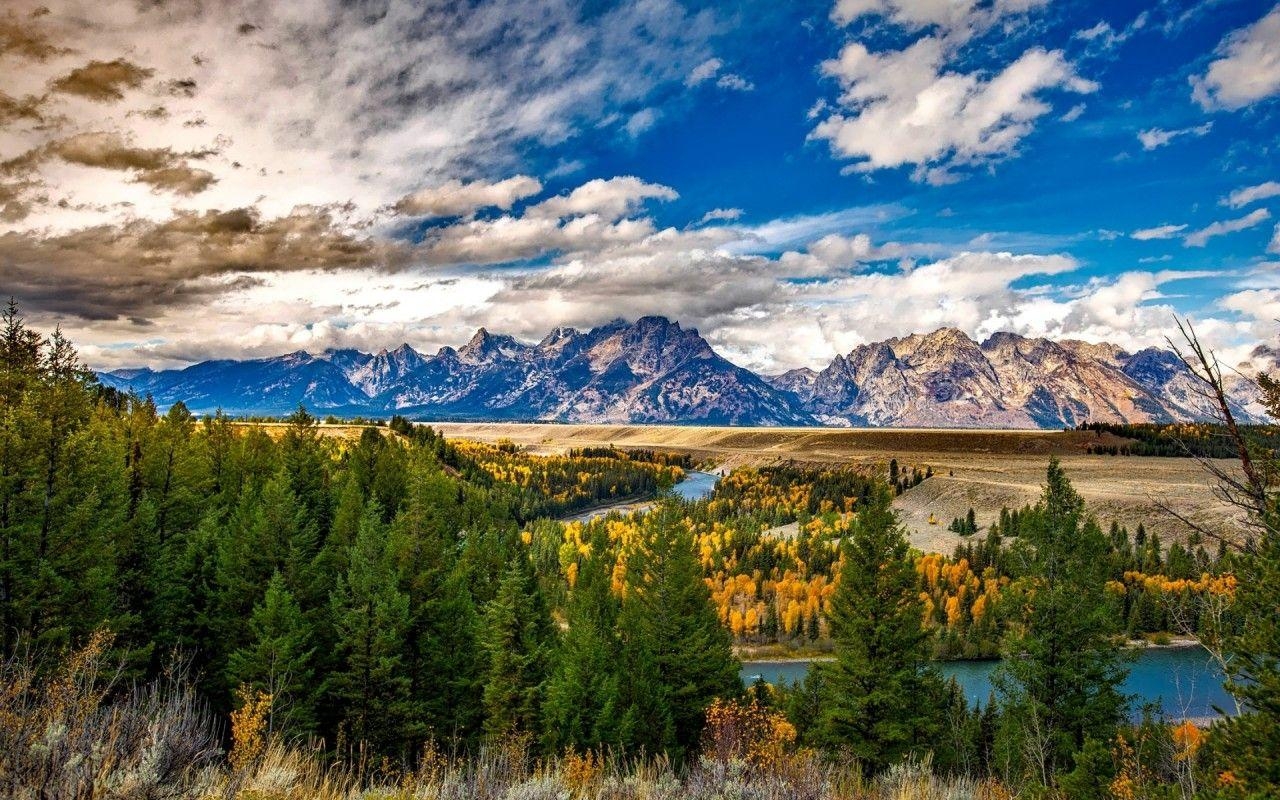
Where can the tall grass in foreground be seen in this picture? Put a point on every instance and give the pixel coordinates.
(77, 733)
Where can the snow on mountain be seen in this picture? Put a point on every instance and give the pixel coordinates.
(655, 371)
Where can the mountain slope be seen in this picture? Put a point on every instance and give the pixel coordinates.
(259, 386)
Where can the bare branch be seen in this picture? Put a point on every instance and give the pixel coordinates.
(1203, 364)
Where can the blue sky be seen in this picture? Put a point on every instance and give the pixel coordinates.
(791, 178)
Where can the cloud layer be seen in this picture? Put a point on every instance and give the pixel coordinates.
(187, 181)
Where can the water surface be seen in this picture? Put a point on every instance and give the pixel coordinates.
(1182, 681)
(695, 486)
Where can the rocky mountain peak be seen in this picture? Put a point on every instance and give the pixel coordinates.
(557, 337)
(405, 351)
(485, 346)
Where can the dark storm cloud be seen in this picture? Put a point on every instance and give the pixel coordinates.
(102, 81)
(13, 109)
(159, 167)
(181, 87)
(141, 268)
(21, 38)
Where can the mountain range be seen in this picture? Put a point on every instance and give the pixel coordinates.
(655, 371)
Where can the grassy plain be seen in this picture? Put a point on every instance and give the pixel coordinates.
(984, 470)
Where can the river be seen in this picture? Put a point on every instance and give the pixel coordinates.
(695, 486)
(1182, 681)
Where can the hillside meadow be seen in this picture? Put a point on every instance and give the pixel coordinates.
(980, 469)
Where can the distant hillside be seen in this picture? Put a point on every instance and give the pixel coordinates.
(655, 371)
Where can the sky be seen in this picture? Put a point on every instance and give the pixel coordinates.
(182, 181)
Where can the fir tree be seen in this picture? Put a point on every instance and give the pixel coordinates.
(517, 643)
(582, 693)
(678, 656)
(1059, 679)
(443, 658)
(278, 659)
(881, 700)
(370, 688)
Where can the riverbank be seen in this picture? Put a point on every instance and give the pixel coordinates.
(782, 653)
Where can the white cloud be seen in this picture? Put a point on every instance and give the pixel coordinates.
(1247, 195)
(641, 121)
(1103, 36)
(915, 107)
(612, 199)
(1158, 232)
(1261, 306)
(1248, 69)
(319, 104)
(717, 214)
(735, 83)
(457, 199)
(1201, 237)
(955, 18)
(1153, 138)
(1102, 30)
(748, 305)
(905, 108)
(703, 72)
(1274, 245)
(711, 68)
(802, 229)
(1074, 113)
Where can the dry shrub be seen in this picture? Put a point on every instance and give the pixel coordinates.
(749, 732)
(581, 773)
(71, 735)
(249, 727)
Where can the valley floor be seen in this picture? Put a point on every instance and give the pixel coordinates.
(982, 469)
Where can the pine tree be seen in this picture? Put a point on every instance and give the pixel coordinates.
(582, 692)
(278, 660)
(265, 533)
(305, 464)
(443, 658)
(517, 641)
(881, 699)
(678, 656)
(370, 688)
(1059, 679)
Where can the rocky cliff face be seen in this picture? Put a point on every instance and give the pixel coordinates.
(655, 371)
(945, 379)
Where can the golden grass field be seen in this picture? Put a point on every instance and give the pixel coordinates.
(982, 469)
